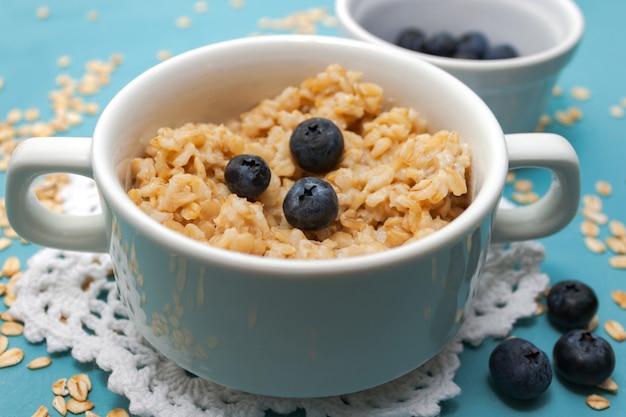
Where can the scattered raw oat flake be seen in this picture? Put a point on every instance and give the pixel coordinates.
(163, 55)
(14, 116)
(92, 108)
(64, 61)
(58, 403)
(84, 378)
(592, 325)
(11, 357)
(592, 202)
(5, 243)
(59, 387)
(93, 15)
(619, 296)
(589, 228)
(4, 344)
(617, 229)
(77, 389)
(595, 245)
(597, 402)
(615, 330)
(581, 93)
(523, 185)
(525, 197)
(11, 266)
(43, 12)
(616, 111)
(42, 411)
(303, 22)
(39, 363)
(78, 407)
(523, 193)
(117, 58)
(544, 121)
(183, 22)
(595, 216)
(6, 316)
(604, 188)
(31, 114)
(540, 309)
(201, 7)
(568, 116)
(575, 112)
(617, 246)
(618, 262)
(608, 385)
(12, 328)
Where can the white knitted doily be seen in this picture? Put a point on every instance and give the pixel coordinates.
(69, 300)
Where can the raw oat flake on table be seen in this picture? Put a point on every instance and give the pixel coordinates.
(69, 299)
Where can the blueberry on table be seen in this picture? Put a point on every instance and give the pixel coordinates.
(571, 304)
(583, 358)
(317, 145)
(310, 204)
(471, 45)
(247, 175)
(411, 38)
(503, 51)
(440, 43)
(520, 369)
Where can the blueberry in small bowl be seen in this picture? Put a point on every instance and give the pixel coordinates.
(509, 52)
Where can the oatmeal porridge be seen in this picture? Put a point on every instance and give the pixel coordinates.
(395, 181)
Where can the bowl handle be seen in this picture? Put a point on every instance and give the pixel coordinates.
(33, 158)
(558, 206)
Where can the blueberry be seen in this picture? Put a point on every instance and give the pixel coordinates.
(571, 304)
(317, 145)
(583, 358)
(520, 369)
(247, 175)
(471, 45)
(440, 43)
(502, 51)
(412, 39)
(310, 204)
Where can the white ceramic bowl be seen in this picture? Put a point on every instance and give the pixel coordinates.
(282, 327)
(545, 32)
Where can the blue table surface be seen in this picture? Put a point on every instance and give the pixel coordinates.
(139, 29)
